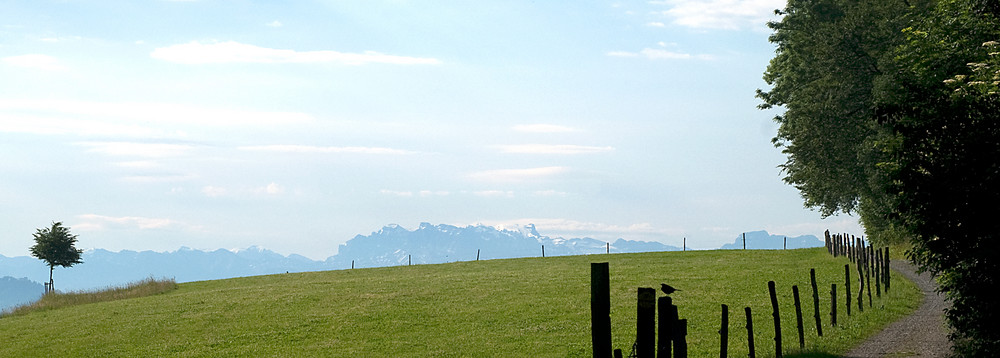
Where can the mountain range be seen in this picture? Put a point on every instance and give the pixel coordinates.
(392, 245)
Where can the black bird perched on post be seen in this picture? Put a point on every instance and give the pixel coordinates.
(667, 289)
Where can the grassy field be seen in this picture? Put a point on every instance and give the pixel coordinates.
(535, 306)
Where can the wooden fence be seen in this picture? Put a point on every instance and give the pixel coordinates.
(871, 265)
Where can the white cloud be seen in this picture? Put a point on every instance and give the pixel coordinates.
(722, 14)
(656, 24)
(553, 149)
(307, 149)
(274, 23)
(120, 118)
(272, 189)
(214, 191)
(152, 150)
(34, 61)
(660, 54)
(518, 175)
(235, 52)
(404, 194)
(494, 193)
(94, 222)
(543, 128)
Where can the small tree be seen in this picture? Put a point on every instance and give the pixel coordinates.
(56, 246)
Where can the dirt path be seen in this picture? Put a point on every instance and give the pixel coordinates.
(921, 334)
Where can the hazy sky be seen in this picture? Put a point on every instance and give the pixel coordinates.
(295, 125)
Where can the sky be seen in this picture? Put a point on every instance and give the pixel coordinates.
(296, 125)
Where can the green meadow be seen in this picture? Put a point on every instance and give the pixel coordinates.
(531, 306)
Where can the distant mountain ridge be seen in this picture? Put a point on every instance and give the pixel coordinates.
(389, 246)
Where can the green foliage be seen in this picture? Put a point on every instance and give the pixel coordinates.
(893, 112)
(538, 307)
(56, 246)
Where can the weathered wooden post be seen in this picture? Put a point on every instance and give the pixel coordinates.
(798, 316)
(543, 250)
(744, 241)
(861, 288)
(609, 247)
(352, 264)
(819, 324)
(777, 319)
(645, 323)
(667, 316)
(724, 333)
(847, 287)
(600, 309)
(878, 273)
(784, 244)
(750, 333)
(477, 254)
(409, 260)
(680, 339)
(833, 304)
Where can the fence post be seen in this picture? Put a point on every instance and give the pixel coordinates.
(819, 324)
(750, 333)
(477, 254)
(833, 304)
(798, 316)
(861, 288)
(777, 319)
(847, 287)
(878, 273)
(724, 333)
(667, 316)
(543, 250)
(645, 323)
(680, 339)
(600, 309)
(744, 241)
(352, 264)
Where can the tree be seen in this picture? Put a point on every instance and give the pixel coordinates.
(56, 246)
(892, 112)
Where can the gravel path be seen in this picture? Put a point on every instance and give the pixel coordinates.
(921, 334)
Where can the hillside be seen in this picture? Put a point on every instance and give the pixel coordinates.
(487, 308)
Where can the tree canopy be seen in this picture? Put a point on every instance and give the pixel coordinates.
(56, 246)
(892, 112)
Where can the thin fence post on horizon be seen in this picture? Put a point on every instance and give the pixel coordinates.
(744, 241)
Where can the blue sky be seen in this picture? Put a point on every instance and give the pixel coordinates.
(151, 125)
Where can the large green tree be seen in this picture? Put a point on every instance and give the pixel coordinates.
(56, 246)
(892, 112)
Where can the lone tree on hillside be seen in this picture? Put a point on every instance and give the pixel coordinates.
(55, 245)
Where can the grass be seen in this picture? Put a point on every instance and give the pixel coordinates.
(54, 300)
(535, 306)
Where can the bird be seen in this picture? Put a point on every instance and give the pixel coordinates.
(667, 289)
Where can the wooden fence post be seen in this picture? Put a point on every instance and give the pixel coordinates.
(680, 339)
(777, 319)
(798, 316)
(600, 309)
(750, 333)
(868, 276)
(352, 264)
(543, 250)
(477, 254)
(861, 288)
(833, 304)
(878, 273)
(847, 287)
(819, 324)
(724, 333)
(645, 323)
(667, 316)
